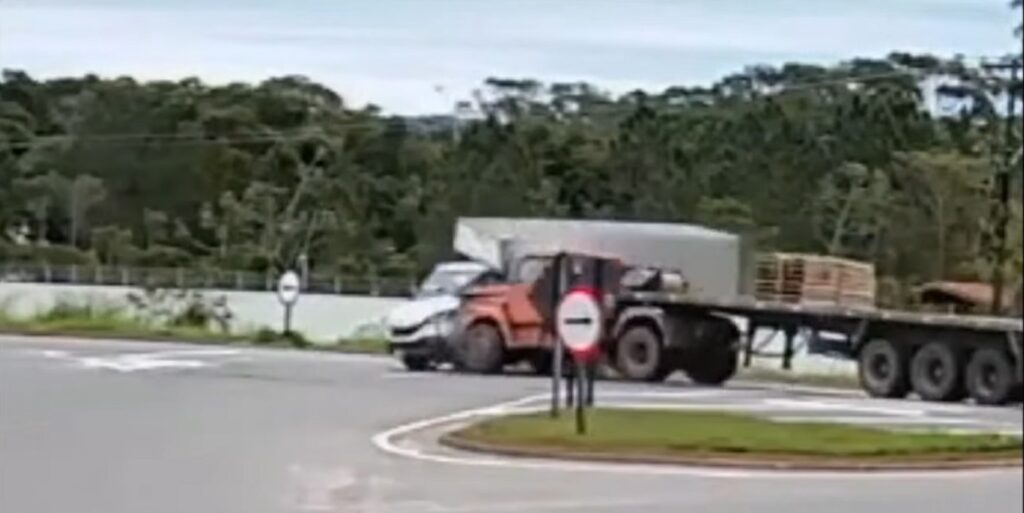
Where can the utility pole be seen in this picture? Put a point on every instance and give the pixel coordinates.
(1003, 178)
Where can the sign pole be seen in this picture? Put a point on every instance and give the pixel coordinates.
(287, 318)
(581, 404)
(558, 288)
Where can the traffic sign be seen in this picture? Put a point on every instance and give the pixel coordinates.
(580, 322)
(288, 287)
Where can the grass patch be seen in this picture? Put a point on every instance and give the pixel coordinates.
(362, 345)
(94, 319)
(686, 434)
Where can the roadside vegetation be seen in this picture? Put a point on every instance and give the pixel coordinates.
(665, 435)
(180, 316)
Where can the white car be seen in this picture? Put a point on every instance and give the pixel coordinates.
(418, 331)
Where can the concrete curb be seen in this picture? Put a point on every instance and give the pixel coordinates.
(453, 440)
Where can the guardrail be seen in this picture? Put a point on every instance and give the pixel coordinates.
(191, 278)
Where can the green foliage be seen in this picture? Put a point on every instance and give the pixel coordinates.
(181, 309)
(55, 254)
(852, 159)
(269, 337)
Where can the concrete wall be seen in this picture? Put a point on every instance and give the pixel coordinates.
(322, 318)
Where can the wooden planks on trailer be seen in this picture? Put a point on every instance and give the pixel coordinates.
(814, 280)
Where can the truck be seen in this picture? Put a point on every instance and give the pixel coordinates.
(418, 331)
(511, 322)
(653, 331)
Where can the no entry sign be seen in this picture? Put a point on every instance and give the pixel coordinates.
(580, 322)
(288, 288)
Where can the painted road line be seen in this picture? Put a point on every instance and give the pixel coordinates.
(846, 406)
(144, 361)
(398, 442)
(879, 421)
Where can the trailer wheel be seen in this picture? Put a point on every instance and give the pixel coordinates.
(713, 367)
(640, 355)
(882, 368)
(935, 373)
(482, 349)
(416, 363)
(989, 377)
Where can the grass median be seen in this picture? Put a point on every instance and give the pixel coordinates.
(689, 437)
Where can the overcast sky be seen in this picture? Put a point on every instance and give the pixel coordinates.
(396, 53)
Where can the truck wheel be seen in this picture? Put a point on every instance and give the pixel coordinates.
(935, 373)
(714, 368)
(640, 356)
(483, 350)
(416, 363)
(989, 377)
(883, 370)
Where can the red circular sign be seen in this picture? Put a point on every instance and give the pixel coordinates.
(579, 322)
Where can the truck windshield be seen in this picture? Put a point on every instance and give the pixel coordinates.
(447, 281)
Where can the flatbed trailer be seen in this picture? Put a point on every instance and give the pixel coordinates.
(940, 357)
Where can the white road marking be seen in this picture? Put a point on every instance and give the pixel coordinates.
(389, 442)
(143, 361)
(802, 404)
(884, 421)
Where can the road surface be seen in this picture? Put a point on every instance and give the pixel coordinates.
(114, 427)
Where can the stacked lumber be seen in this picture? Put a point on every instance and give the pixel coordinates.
(814, 279)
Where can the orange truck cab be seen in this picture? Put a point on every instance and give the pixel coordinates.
(512, 322)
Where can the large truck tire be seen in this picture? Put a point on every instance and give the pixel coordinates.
(641, 356)
(935, 373)
(482, 350)
(882, 368)
(990, 378)
(713, 367)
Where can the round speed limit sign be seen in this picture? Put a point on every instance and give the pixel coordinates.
(580, 322)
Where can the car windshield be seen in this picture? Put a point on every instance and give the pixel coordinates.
(446, 281)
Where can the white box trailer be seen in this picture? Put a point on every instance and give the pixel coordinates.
(712, 262)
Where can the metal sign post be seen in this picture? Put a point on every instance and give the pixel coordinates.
(580, 325)
(288, 290)
(558, 358)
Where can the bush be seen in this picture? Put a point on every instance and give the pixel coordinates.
(269, 337)
(181, 309)
(53, 255)
(162, 256)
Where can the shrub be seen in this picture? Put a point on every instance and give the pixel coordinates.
(53, 255)
(181, 308)
(267, 336)
(162, 256)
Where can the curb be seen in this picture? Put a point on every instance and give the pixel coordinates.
(452, 440)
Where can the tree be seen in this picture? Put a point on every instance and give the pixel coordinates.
(852, 158)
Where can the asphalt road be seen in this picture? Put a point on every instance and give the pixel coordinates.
(106, 427)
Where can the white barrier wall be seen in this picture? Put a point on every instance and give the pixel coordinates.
(321, 318)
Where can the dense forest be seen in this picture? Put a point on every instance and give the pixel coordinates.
(891, 160)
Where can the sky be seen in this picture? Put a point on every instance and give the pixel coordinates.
(420, 56)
